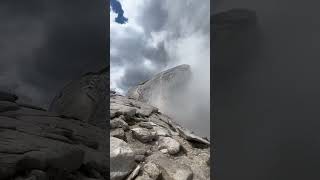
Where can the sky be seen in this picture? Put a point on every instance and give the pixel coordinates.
(45, 44)
(149, 36)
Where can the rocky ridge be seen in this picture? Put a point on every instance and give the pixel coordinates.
(163, 87)
(148, 145)
(84, 99)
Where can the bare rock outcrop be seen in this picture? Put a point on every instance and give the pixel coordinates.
(37, 144)
(84, 99)
(162, 86)
(162, 148)
(68, 142)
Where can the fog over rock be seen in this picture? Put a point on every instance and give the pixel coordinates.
(179, 93)
(161, 89)
(164, 149)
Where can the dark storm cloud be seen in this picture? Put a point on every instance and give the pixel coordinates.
(134, 47)
(133, 59)
(132, 52)
(157, 18)
(45, 44)
(158, 55)
(135, 75)
(130, 48)
(266, 110)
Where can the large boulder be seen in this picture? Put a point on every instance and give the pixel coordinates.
(162, 86)
(170, 169)
(170, 144)
(121, 159)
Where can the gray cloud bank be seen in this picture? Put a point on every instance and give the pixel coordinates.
(44, 44)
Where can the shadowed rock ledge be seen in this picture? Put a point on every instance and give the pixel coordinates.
(68, 142)
(37, 144)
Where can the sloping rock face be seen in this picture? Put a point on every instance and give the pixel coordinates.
(162, 86)
(41, 145)
(161, 148)
(84, 99)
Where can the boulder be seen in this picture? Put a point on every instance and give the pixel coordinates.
(160, 131)
(121, 159)
(170, 144)
(151, 170)
(171, 170)
(118, 133)
(143, 134)
(162, 86)
(118, 123)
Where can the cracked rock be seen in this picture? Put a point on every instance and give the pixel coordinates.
(143, 134)
(121, 159)
(170, 144)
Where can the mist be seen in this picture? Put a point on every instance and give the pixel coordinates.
(160, 35)
(266, 108)
(190, 106)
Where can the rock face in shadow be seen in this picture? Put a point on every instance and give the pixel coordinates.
(162, 86)
(162, 149)
(69, 142)
(37, 144)
(84, 99)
